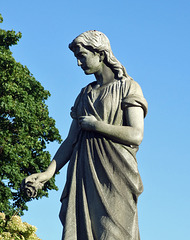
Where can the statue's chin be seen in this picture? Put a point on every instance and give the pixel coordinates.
(87, 72)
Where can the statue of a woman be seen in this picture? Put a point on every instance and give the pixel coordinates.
(99, 201)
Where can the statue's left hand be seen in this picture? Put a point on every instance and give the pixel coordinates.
(88, 122)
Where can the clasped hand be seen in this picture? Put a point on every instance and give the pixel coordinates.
(88, 122)
(33, 183)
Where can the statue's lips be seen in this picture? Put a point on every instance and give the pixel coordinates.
(84, 68)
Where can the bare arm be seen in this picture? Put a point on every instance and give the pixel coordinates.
(64, 152)
(131, 134)
(61, 157)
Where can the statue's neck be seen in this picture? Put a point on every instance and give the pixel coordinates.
(104, 75)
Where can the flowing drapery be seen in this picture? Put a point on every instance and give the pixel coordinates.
(99, 201)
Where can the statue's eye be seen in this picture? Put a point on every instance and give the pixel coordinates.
(82, 54)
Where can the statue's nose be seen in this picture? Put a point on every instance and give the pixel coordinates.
(79, 62)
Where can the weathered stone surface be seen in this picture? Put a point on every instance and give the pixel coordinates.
(99, 200)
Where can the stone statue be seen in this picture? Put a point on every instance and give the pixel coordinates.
(99, 200)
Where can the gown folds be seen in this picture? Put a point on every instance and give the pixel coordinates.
(99, 201)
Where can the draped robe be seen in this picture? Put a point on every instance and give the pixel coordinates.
(99, 201)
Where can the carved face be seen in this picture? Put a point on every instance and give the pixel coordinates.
(89, 61)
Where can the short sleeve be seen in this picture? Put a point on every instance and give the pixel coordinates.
(134, 97)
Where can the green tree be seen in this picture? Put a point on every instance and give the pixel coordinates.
(25, 128)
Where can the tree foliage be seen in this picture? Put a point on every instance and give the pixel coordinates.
(25, 127)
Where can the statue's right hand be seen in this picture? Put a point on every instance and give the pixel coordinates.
(33, 183)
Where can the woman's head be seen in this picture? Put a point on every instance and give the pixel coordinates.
(98, 42)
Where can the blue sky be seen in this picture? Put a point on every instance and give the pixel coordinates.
(152, 40)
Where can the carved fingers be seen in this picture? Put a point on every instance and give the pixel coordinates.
(88, 122)
(33, 183)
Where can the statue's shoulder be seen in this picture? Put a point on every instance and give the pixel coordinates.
(88, 87)
(130, 84)
(133, 95)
